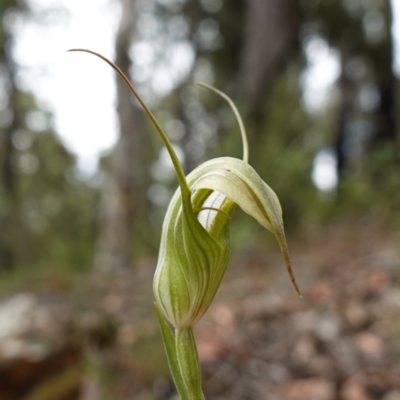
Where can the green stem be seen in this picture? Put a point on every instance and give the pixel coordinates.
(188, 360)
(170, 349)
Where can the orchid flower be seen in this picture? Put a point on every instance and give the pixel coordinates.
(195, 244)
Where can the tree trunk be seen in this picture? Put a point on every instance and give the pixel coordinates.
(270, 33)
(124, 194)
(8, 178)
(384, 116)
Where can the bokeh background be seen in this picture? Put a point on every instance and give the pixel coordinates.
(85, 182)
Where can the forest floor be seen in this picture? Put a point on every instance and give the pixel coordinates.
(341, 341)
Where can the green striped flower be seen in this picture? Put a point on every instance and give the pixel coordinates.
(195, 244)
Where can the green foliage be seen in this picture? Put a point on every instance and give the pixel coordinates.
(52, 210)
(374, 188)
(47, 213)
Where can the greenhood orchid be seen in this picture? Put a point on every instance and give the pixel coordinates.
(195, 244)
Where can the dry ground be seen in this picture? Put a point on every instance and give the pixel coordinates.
(258, 340)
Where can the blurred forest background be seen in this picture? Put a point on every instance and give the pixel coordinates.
(77, 250)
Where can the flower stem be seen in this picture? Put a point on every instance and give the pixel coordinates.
(188, 360)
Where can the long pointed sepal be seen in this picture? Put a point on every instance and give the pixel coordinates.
(238, 181)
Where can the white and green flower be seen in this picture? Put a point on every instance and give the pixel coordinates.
(195, 244)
